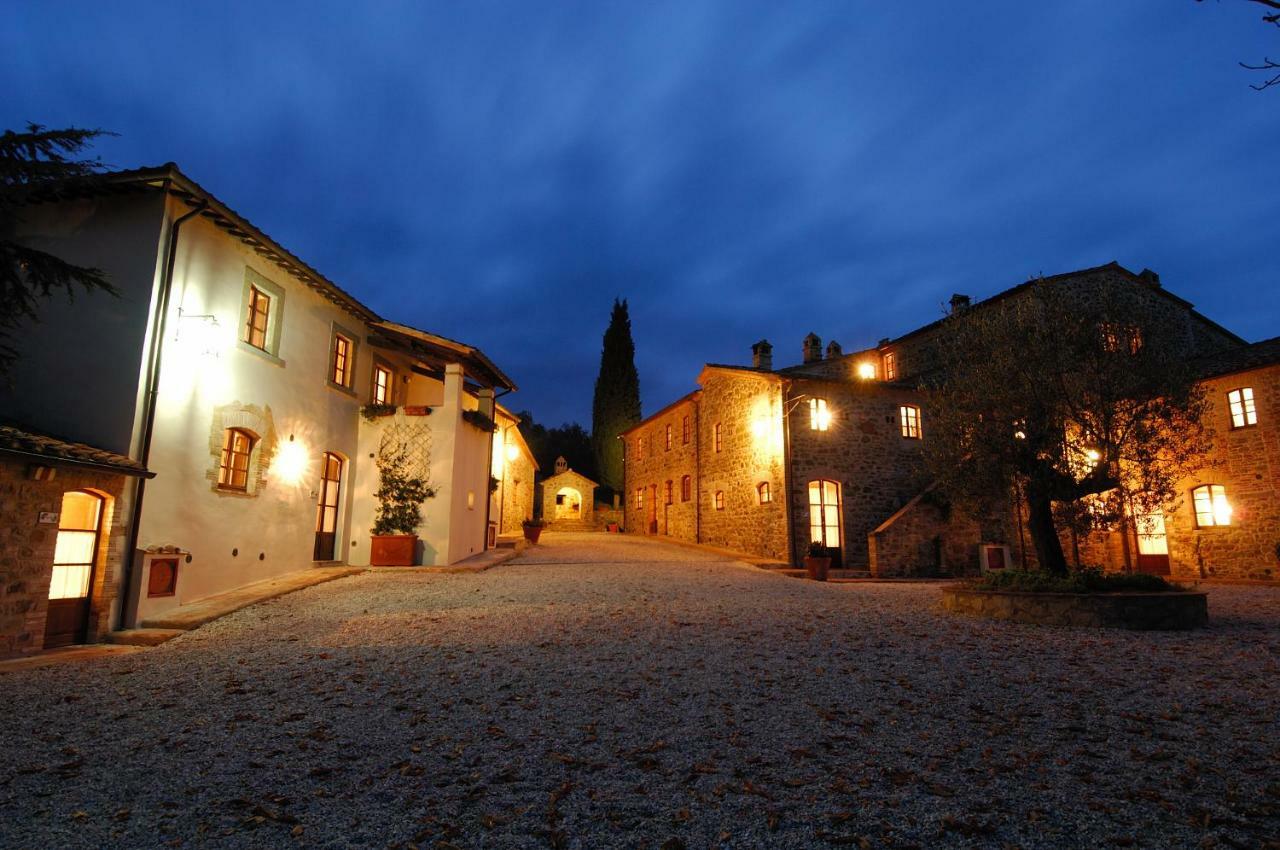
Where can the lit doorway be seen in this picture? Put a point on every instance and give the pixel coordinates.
(74, 557)
(326, 546)
(824, 517)
(1153, 543)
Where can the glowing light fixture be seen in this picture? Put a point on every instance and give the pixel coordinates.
(199, 334)
(290, 463)
(866, 370)
(513, 452)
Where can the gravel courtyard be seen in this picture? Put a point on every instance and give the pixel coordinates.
(613, 692)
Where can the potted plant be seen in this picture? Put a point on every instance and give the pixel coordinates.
(533, 529)
(818, 561)
(400, 496)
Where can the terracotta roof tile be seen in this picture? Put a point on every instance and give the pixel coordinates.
(14, 441)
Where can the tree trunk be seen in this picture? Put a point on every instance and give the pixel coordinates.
(1044, 535)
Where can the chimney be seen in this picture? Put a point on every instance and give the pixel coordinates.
(812, 348)
(959, 303)
(834, 350)
(1149, 277)
(882, 343)
(762, 355)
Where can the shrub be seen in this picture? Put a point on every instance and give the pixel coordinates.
(817, 550)
(1086, 580)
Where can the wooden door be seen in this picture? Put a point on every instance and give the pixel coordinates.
(70, 582)
(824, 518)
(1153, 544)
(327, 508)
(653, 508)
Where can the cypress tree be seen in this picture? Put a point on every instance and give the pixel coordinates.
(616, 405)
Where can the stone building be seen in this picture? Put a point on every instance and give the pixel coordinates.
(259, 393)
(767, 460)
(568, 499)
(514, 470)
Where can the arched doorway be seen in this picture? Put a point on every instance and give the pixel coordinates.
(568, 503)
(75, 554)
(327, 508)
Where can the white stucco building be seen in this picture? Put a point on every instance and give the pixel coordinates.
(238, 375)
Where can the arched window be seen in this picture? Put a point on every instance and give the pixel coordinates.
(233, 469)
(762, 489)
(719, 500)
(1211, 505)
(686, 488)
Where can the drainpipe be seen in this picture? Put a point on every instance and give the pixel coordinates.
(154, 362)
(786, 472)
(697, 471)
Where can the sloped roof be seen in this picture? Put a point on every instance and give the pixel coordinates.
(17, 442)
(169, 178)
(652, 416)
(1232, 360)
(569, 473)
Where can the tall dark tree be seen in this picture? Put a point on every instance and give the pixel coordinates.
(616, 406)
(1269, 67)
(28, 161)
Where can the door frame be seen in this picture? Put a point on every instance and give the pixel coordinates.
(81, 633)
(836, 553)
(321, 507)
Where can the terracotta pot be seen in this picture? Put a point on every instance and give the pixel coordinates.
(393, 550)
(532, 533)
(612, 527)
(817, 568)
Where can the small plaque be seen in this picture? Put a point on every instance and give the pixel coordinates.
(48, 518)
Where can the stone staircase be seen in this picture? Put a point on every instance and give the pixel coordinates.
(570, 525)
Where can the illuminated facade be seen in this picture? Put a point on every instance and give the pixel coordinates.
(839, 438)
(256, 391)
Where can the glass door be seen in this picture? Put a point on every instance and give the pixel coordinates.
(824, 517)
(327, 508)
(75, 552)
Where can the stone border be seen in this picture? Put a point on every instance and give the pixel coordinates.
(1176, 611)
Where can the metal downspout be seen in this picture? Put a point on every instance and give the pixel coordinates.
(786, 473)
(128, 608)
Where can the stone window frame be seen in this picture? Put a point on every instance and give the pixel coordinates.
(717, 500)
(254, 420)
(227, 459)
(336, 331)
(1210, 517)
(910, 422)
(686, 488)
(275, 316)
(1248, 408)
(890, 366)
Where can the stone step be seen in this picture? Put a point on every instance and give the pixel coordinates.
(143, 637)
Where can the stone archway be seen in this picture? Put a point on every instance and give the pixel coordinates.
(568, 503)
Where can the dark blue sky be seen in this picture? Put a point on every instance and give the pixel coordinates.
(499, 172)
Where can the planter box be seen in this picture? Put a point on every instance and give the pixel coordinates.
(817, 568)
(1177, 611)
(532, 533)
(393, 550)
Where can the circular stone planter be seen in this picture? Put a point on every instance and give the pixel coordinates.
(1176, 611)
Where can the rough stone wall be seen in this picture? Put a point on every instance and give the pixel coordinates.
(649, 464)
(517, 493)
(878, 469)
(924, 538)
(26, 550)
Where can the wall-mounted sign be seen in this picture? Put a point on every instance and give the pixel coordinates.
(48, 518)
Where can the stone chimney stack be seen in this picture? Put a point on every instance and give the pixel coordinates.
(812, 348)
(1149, 277)
(834, 350)
(762, 355)
(959, 303)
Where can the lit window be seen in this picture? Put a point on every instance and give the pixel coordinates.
(763, 491)
(640, 448)
(233, 470)
(819, 415)
(259, 311)
(1118, 338)
(76, 545)
(1211, 505)
(670, 493)
(639, 497)
(719, 500)
(890, 366)
(910, 421)
(866, 370)
(719, 442)
(1242, 410)
(381, 385)
(340, 368)
(669, 438)
(684, 430)
(686, 488)
(824, 513)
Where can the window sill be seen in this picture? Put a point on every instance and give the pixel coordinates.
(347, 391)
(265, 355)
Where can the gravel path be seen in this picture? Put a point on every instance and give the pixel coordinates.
(603, 692)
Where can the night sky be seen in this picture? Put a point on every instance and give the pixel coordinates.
(500, 172)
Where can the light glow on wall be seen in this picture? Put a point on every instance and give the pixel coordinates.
(290, 463)
(866, 370)
(513, 452)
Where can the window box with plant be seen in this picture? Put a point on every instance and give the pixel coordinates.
(533, 529)
(400, 496)
(817, 564)
(371, 412)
